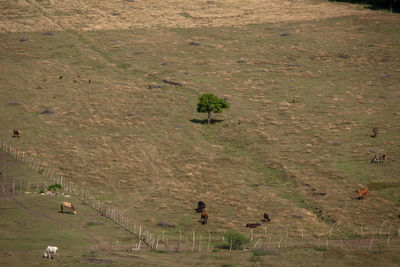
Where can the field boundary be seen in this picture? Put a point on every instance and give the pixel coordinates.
(52, 176)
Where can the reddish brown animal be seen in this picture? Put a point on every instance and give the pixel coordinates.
(15, 133)
(204, 217)
(378, 158)
(374, 132)
(69, 206)
(362, 193)
(253, 225)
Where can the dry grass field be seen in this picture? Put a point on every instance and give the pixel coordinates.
(148, 152)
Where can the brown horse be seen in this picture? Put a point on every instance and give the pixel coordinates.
(253, 225)
(69, 206)
(204, 217)
(362, 192)
(15, 133)
(378, 158)
(374, 132)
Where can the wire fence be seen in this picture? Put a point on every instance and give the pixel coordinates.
(53, 176)
(261, 238)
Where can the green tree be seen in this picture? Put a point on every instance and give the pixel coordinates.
(210, 103)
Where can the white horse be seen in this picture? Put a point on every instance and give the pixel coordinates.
(49, 251)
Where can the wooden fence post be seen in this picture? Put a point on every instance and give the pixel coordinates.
(193, 241)
(209, 239)
(180, 237)
(199, 242)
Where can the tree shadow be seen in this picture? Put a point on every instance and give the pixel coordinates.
(375, 4)
(212, 121)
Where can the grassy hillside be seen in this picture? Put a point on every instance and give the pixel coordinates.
(145, 149)
(31, 222)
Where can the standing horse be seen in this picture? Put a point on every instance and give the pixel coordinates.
(15, 132)
(375, 132)
(204, 217)
(69, 206)
(200, 206)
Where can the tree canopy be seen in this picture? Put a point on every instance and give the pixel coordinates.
(210, 103)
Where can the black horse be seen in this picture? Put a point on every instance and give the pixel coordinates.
(200, 206)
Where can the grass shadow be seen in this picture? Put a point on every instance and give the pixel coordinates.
(375, 4)
(212, 121)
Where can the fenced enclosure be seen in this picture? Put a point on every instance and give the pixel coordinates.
(263, 238)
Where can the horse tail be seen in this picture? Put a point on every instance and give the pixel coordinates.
(62, 207)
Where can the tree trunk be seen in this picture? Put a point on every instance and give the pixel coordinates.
(209, 117)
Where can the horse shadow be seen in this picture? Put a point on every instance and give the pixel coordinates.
(67, 212)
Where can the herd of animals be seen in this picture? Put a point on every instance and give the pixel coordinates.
(52, 251)
(201, 208)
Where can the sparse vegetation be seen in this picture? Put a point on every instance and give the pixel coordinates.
(235, 239)
(54, 187)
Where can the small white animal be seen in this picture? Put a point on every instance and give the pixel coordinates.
(49, 251)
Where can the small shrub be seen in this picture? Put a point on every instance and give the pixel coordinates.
(41, 171)
(237, 239)
(159, 251)
(54, 187)
(321, 248)
(41, 192)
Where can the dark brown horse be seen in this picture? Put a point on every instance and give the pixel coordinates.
(15, 133)
(266, 218)
(374, 132)
(253, 225)
(200, 206)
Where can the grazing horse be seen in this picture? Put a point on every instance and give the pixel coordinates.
(49, 251)
(15, 132)
(204, 217)
(67, 205)
(378, 158)
(266, 218)
(253, 225)
(374, 132)
(362, 192)
(200, 206)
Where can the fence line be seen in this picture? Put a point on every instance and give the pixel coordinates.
(267, 239)
(74, 189)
